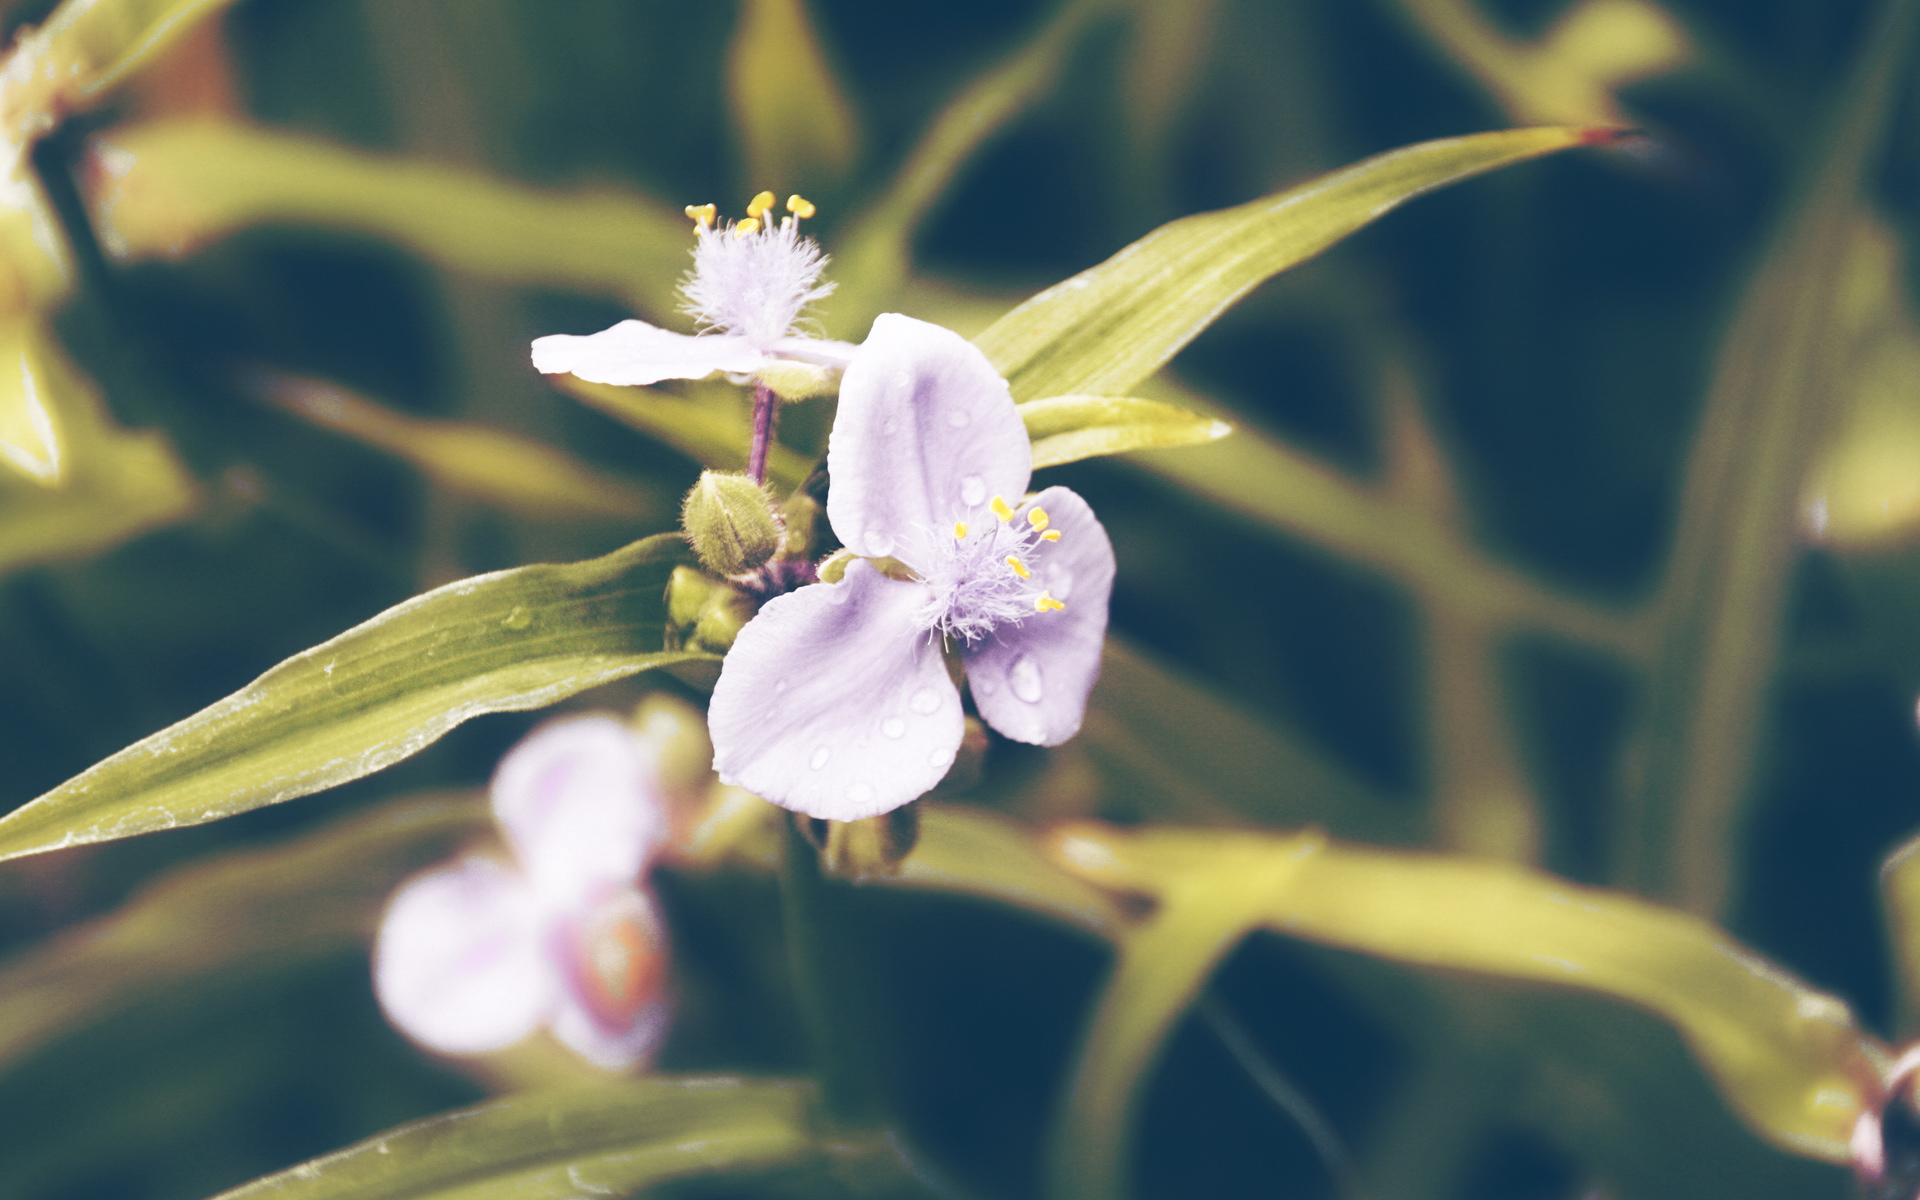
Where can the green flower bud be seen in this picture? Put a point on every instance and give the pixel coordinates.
(725, 612)
(861, 850)
(687, 593)
(727, 519)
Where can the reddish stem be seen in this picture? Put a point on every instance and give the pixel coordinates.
(764, 405)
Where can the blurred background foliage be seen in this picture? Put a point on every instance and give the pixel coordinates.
(1553, 533)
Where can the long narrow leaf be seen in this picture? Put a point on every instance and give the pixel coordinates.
(1107, 328)
(512, 640)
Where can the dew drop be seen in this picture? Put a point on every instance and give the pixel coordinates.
(1025, 678)
(903, 379)
(820, 756)
(1059, 581)
(517, 618)
(860, 793)
(878, 542)
(936, 759)
(959, 418)
(923, 702)
(973, 491)
(893, 727)
(983, 684)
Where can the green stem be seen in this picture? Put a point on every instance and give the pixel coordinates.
(824, 970)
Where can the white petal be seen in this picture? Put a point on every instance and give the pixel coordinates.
(824, 351)
(581, 807)
(926, 434)
(834, 703)
(1030, 681)
(634, 352)
(458, 965)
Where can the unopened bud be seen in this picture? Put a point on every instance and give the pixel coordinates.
(727, 519)
(725, 613)
(872, 848)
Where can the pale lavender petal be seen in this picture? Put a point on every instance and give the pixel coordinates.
(579, 803)
(824, 351)
(458, 965)
(613, 959)
(1030, 681)
(926, 435)
(833, 702)
(634, 352)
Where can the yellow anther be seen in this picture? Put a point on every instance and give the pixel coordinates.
(1045, 602)
(760, 205)
(959, 531)
(750, 225)
(1037, 517)
(702, 215)
(800, 206)
(1019, 568)
(1001, 509)
(1051, 535)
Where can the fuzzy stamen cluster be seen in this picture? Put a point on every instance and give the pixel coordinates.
(753, 277)
(980, 578)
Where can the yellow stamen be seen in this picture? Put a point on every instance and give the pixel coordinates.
(1019, 568)
(800, 206)
(750, 225)
(1045, 602)
(1051, 535)
(1037, 518)
(959, 531)
(1001, 509)
(702, 215)
(760, 206)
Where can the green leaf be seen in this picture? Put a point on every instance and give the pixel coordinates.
(1788, 1059)
(247, 911)
(480, 463)
(1112, 325)
(1723, 602)
(977, 853)
(1066, 429)
(793, 117)
(165, 188)
(507, 641)
(612, 1140)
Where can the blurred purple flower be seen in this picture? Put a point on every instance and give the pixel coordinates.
(835, 700)
(751, 281)
(475, 956)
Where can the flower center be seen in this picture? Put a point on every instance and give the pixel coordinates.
(616, 962)
(753, 277)
(982, 577)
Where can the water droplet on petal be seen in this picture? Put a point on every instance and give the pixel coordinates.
(860, 793)
(983, 684)
(959, 418)
(1025, 678)
(878, 542)
(924, 702)
(1059, 581)
(973, 491)
(893, 727)
(820, 756)
(779, 686)
(937, 759)
(903, 379)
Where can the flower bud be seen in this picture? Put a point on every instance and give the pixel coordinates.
(872, 848)
(722, 617)
(727, 519)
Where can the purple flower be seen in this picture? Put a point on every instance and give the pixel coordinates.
(835, 700)
(750, 283)
(475, 956)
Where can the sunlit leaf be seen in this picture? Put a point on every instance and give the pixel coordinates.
(1779, 373)
(790, 111)
(712, 426)
(166, 188)
(1112, 325)
(1066, 429)
(612, 1140)
(492, 466)
(1788, 1059)
(383, 690)
(74, 483)
(247, 911)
